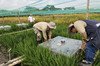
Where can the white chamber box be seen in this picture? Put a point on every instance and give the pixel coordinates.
(63, 45)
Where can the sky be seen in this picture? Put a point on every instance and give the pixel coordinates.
(78, 4)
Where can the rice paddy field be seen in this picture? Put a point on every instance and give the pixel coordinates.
(24, 43)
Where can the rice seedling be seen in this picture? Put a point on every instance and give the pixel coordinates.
(24, 43)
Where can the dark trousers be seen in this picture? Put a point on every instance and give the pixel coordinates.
(90, 52)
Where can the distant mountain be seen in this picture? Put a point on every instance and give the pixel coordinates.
(30, 9)
(50, 7)
(69, 8)
(4, 11)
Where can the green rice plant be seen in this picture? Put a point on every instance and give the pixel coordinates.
(24, 43)
(39, 56)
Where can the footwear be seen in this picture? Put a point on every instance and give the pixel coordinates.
(84, 64)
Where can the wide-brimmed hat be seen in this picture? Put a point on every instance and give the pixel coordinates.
(70, 27)
(52, 25)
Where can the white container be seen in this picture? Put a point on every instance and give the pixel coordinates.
(1, 27)
(22, 25)
(7, 27)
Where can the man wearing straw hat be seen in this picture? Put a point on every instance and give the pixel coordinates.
(44, 28)
(90, 32)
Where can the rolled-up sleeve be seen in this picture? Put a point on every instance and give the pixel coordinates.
(80, 26)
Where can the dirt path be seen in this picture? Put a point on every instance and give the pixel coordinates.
(16, 32)
(3, 58)
(3, 55)
(3, 52)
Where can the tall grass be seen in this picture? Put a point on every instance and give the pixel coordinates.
(25, 44)
(68, 18)
(59, 19)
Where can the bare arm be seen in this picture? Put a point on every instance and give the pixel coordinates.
(80, 27)
(50, 34)
(44, 35)
(84, 39)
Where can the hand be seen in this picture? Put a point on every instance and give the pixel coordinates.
(79, 51)
(45, 40)
(49, 37)
(83, 46)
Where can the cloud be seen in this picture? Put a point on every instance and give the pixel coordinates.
(80, 4)
(50, 2)
(72, 3)
(14, 4)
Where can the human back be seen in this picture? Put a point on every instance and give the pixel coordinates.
(41, 26)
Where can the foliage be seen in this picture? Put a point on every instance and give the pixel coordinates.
(24, 43)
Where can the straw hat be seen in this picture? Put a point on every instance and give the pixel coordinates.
(52, 25)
